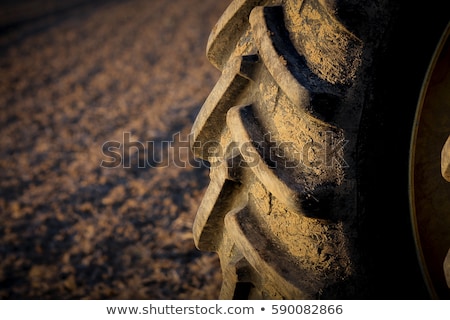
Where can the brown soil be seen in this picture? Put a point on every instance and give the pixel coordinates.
(71, 80)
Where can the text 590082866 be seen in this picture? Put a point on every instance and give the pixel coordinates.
(307, 309)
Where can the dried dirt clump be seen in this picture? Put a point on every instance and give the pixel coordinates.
(99, 82)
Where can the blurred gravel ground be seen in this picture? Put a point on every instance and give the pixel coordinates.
(71, 81)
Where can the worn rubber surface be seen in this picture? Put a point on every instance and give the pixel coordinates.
(289, 129)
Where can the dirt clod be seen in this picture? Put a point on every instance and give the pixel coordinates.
(71, 81)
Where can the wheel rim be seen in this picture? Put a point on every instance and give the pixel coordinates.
(429, 189)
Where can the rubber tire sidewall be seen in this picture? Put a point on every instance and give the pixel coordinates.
(384, 151)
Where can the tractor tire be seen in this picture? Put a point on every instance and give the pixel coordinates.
(309, 134)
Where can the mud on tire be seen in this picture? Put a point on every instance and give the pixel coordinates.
(307, 136)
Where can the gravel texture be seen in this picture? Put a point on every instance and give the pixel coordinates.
(128, 75)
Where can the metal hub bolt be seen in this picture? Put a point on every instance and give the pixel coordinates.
(445, 160)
